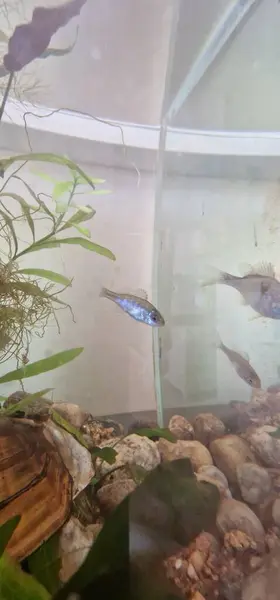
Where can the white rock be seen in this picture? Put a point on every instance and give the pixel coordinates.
(254, 482)
(76, 457)
(133, 449)
(74, 544)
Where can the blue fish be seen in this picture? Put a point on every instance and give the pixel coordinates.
(138, 308)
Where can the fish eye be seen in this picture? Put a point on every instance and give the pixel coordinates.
(154, 317)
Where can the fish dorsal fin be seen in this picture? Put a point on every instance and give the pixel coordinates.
(263, 268)
(138, 292)
(244, 355)
(141, 293)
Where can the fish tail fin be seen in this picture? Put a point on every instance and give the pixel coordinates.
(105, 293)
(218, 276)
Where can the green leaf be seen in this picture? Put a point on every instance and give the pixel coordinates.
(9, 224)
(45, 157)
(80, 216)
(59, 420)
(83, 230)
(108, 454)
(42, 366)
(61, 188)
(275, 434)
(40, 203)
(45, 274)
(25, 210)
(55, 243)
(6, 532)
(45, 564)
(80, 180)
(25, 402)
(157, 432)
(32, 290)
(44, 176)
(15, 584)
(89, 246)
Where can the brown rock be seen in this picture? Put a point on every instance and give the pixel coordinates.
(71, 413)
(234, 515)
(112, 494)
(195, 451)
(276, 511)
(230, 452)
(207, 427)
(266, 447)
(181, 428)
(213, 475)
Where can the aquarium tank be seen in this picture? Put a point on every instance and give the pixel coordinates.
(139, 299)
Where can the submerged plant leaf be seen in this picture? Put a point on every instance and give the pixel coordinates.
(45, 564)
(64, 424)
(31, 40)
(108, 454)
(275, 434)
(6, 532)
(89, 246)
(164, 433)
(25, 209)
(15, 584)
(9, 224)
(45, 157)
(42, 366)
(45, 274)
(61, 188)
(83, 230)
(95, 180)
(25, 402)
(83, 214)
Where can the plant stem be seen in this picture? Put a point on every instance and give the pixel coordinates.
(6, 94)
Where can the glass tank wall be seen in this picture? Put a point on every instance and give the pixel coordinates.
(218, 206)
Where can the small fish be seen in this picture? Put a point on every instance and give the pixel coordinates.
(139, 308)
(241, 364)
(259, 288)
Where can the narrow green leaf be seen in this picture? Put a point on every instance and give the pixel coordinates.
(45, 564)
(40, 202)
(6, 532)
(57, 52)
(108, 454)
(25, 402)
(82, 230)
(15, 584)
(61, 188)
(45, 157)
(25, 210)
(80, 216)
(156, 432)
(275, 434)
(9, 224)
(89, 246)
(44, 176)
(55, 243)
(95, 180)
(45, 274)
(32, 290)
(42, 366)
(59, 420)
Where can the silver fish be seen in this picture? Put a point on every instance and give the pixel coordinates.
(242, 365)
(259, 287)
(138, 308)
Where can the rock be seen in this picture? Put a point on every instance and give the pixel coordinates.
(195, 451)
(181, 428)
(76, 457)
(213, 475)
(234, 515)
(97, 431)
(239, 541)
(264, 584)
(141, 424)
(207, 428)
(254, 481)
(133, 449)
(276, 511)
(74, 544)
(38, 409)
(266, 447)
(229, 452)
(112, 494)
(72, 413)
